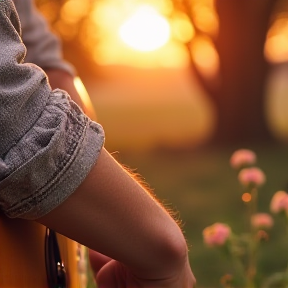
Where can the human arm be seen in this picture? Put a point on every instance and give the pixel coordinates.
(112, 213)
(48, 146)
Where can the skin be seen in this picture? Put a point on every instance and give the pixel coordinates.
(137, 241)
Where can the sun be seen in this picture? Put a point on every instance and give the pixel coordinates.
(146, 30)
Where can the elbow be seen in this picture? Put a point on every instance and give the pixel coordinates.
(172, 254)
(166, 256)
(177, 251)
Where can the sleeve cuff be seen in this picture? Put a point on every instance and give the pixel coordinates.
(51, 160)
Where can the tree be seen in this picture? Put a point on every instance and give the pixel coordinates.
(239, 97)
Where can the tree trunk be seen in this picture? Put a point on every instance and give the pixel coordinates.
(239, 98)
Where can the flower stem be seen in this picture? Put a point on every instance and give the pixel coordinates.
(240, 273)
(252, 248)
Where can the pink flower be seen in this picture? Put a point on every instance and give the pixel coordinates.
(262, 220)
(216, 234)
(279, 202)
(242, 157)
(251, 175)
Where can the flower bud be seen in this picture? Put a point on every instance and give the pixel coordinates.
(251, 176)
(262, 236)
(216, 234)
(261, 220)
(242, 157)
(279, 202)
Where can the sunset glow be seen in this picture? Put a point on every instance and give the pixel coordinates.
(146, 30)
(246, 197)
(205, 56)
(144, 34)
(205, 17)
(85, 98)
(182, 28)
(276, 47)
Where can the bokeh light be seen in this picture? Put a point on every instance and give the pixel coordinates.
(277, 102)
(73, 10)
(182, 28)
(205, 56)
(144, 46)
(144, 33)
(276, 46)
(246, 197)
(49, 10)
(145, 30)
(205, 16)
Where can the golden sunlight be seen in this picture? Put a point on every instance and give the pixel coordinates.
(146, 30)
(181, 27)
(73, 10)
(205, 56)
(205, 16)
(137, 34)
(142, 33)
(85, 98)
(246, 197)
(276, 46)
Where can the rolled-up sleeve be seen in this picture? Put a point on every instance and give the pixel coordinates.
(48, 146)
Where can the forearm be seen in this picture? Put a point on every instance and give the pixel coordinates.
(50, 146)
(113, 214)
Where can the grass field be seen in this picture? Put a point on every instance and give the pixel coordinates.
(203, 188)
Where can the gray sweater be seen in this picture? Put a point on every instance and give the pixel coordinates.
(43, 47)
(47, 145)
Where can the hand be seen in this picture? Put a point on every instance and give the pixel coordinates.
(113, 274)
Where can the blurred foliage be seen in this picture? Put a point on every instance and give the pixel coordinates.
(85, 21)
(68, 18)
(203, 188)
(229, 46)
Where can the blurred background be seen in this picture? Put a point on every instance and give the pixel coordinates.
(178, 85)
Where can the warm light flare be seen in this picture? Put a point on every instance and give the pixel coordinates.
(73, 10)
(48, 10)
(246, 197)
(117, 32)
(85, 98)
(205, 17)
(205, 56)
(276, 46)
(146, 30)
(182, 28)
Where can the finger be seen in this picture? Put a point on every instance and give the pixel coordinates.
(97, 261)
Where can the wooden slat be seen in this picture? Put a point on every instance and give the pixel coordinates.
(22, 260)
